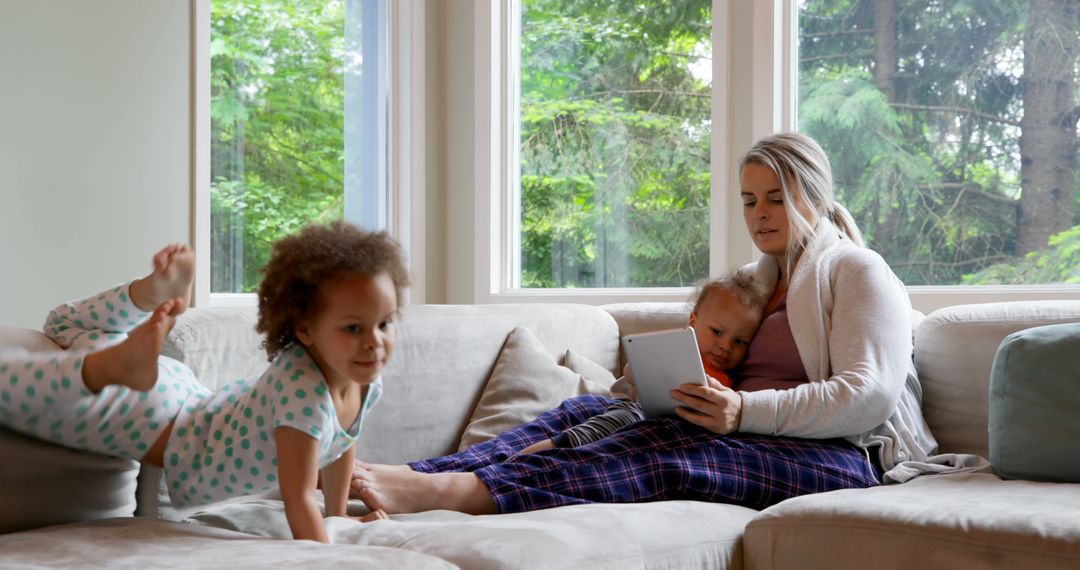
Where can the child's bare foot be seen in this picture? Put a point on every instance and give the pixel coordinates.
(394, 489)
(133, 362)
(173, 274)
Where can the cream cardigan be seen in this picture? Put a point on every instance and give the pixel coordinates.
(851, 319)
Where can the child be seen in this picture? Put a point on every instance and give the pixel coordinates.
(327, 306)
(726, 314)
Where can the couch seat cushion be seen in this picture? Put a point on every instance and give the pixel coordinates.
(147, 543)
(670, 534)
(967, 520)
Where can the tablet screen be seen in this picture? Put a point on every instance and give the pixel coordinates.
(661, 362)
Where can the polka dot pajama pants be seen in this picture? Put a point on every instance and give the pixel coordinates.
(42, 394)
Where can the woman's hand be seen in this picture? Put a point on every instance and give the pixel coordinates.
(715, 407)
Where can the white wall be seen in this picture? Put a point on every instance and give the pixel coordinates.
(94, 145)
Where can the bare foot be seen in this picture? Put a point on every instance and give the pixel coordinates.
(392, 489)
(133, 362)
(363, 471)
(173, 274)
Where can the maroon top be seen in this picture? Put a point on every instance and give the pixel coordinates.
(772, 361)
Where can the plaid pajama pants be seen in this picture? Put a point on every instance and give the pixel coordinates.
(653, 460)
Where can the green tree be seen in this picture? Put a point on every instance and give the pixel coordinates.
(615, 143)
(951, 125)
(277, 118)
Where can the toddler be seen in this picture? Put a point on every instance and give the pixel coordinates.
(726, 314)
(328, 304)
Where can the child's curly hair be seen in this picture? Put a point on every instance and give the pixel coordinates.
(300, 263)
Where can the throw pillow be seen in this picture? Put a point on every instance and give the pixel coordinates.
(584, 366)
(1035, 405)
(617, 387)
(525, 382)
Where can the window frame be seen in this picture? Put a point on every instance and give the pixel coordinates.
(405, 146)
(758, 38)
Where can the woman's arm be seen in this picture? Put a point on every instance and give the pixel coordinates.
(298, 468)
(336, 478)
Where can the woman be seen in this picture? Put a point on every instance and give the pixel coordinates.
(828, 397)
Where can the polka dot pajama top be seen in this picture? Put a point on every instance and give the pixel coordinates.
(222, 444)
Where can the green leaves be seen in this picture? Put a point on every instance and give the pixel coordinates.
(277, 113)
(927, 158)
(615, 138)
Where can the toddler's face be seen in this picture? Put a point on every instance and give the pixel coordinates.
(353, 334)
(724, 328)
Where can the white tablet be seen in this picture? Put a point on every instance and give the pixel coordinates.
(661, 362)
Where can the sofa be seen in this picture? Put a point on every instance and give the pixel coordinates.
(462, 373)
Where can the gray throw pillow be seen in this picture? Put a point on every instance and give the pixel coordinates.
(1035, 405)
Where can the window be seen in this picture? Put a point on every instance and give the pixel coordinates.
(615, 132)
(927, 132)
(299, 110)
(952, 129)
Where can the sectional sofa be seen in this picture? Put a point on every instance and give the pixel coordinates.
(463, 373)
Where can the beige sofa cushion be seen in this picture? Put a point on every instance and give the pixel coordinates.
(526, 382)
(964, 520)
(634, 318)
(954, 351)
(148, 543)
(592, 371)
(665, 534)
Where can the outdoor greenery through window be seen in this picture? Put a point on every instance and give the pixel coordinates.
(951, 125)
(615, 128)
(283, 75)
(952, 129)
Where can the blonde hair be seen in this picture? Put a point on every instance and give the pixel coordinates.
(743, 285)
(805, 178)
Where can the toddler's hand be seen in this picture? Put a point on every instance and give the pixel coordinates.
(376, 515)
(538, 446)
(625, 385)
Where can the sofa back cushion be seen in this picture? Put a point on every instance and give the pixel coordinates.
(445, 356)
(954, 351)
(636, 318)
(443, 359)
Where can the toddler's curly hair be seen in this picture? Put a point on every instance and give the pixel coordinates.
(301, 263)
(746, 287)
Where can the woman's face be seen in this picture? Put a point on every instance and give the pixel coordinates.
(763, 210)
